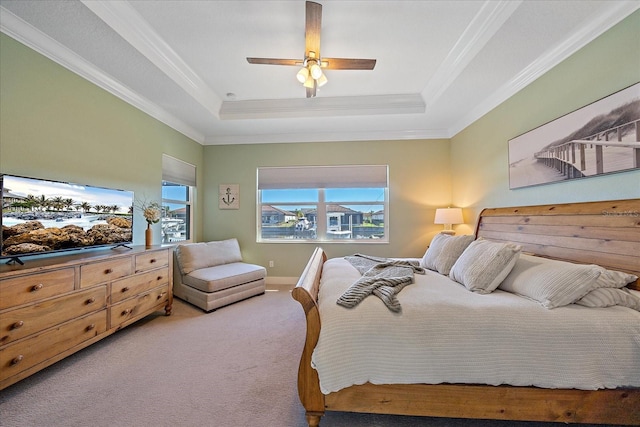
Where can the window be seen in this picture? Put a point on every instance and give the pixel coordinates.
(323, 203)
(178, 185)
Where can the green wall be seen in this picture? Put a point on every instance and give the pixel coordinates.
(479, 153)
(419, 181)
(57, 125)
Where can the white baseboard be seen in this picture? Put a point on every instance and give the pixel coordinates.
(281, 282)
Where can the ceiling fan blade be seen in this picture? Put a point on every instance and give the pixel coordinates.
(348, 64)
(274, 61)
(312, 28)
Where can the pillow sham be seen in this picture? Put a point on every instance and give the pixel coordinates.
(615, 279)
(484, 264)
(443, 252)
(607, 297)
(550, 282)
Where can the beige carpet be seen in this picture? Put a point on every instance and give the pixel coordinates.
(236, 366)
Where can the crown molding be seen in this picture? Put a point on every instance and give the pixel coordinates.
(322, 107)
(586, 34)
(33, 38)
(368, 135)
(487, 22)
(133, 28)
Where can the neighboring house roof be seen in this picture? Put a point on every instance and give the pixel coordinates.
(268, 209)
(332, 208)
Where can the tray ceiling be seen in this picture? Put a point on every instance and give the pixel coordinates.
(440, 64)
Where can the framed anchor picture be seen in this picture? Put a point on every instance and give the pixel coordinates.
(229, 196)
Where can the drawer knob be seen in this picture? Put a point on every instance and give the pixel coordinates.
(91, 301)
(161, 295)
(127, 311)
(37, 287)
(17, 359)
(17, 325)
(152, 260)
(159, 278)
(108, 271)
(125, 289)
(91, 327)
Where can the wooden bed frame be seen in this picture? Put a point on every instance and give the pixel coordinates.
(604, 233)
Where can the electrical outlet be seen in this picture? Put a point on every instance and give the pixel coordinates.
(271, 264)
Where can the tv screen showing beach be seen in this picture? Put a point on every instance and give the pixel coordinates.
(41, 216)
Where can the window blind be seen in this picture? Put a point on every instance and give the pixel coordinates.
(346, 176)
(178, 171)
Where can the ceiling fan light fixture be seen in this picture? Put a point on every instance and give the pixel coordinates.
(309, 83)
(311, 74)
(322, 80)
(315, 70)
(303, 75)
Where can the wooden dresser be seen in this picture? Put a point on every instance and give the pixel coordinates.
(52, 307)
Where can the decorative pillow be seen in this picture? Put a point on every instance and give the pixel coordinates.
(615, 279)
(550, 282)
(606, 297)
(194, 256)
(484, 265)
(443, 252)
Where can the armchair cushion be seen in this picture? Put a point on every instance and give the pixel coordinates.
(194, 256)
(217, 278)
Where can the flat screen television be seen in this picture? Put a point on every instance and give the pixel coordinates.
(41, 216)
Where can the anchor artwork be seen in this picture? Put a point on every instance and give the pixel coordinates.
(229, 196)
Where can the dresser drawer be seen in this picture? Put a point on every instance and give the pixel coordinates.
(22, 355)
(104, 271)
(32, 287)
(143, 304)
(34, 318)
(151, 260)
(130, 286)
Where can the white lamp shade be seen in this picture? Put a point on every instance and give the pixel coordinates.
(449, 216)
(322, 80)
(302, 75)
(310, 83)
(316, 71)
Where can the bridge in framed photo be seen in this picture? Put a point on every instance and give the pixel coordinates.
(597, 153)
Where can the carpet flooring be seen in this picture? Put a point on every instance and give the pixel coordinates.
(234, 367)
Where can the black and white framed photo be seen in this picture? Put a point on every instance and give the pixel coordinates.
(600, 138)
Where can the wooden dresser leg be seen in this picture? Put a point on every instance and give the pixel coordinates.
(313, 419)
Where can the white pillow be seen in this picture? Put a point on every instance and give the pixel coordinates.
(443, 252)
(606, 297)
(484, 265)
(615, 279)
(550, 282)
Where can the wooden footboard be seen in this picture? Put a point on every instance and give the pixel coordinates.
(306, 293)
(614, 239)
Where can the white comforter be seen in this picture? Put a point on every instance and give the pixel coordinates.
(447, 334)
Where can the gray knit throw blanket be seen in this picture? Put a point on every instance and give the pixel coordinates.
(382, 277)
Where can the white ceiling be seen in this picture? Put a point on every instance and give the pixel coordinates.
(440, 64)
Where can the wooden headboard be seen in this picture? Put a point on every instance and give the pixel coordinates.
(603, 233)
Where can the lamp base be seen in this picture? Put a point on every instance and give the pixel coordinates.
(449, 232)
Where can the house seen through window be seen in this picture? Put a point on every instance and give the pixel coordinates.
(323, 203)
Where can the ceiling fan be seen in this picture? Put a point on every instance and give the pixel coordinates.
(311, 75)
